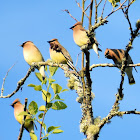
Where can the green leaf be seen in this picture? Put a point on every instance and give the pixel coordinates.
(46, 95)
(64, 90)
(56, 131)
(46, 139)
(42, 108)
(56, 88)
(51, 128)
(38, 88)
(114, 2)
(40, 116)
(24, 113)
(31, 85)
(58, 105)
(44, 126)
(49, 105)
(33, 136)
(52, 70)
(57, 97)
(39, 76)
(33, 108)
(51, 80)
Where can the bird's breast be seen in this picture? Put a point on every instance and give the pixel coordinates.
(57, 57)
(80, 38)
(32, 56)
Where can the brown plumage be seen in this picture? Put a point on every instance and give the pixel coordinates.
(117, 56)
(60, 55)
(32, 54)
(18, 108)
(81, 38)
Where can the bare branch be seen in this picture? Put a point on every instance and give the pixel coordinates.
(90, 14)
(96, 14)
(2, 89)
(103, 9)
(19, 84)
(23, 121)
(81, 8)
(67, 11)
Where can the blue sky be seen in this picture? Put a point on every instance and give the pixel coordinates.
(40, 21)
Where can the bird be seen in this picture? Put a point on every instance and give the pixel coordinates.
(117, 56)
(18, 108)
(80, 36)
(32, 54)
(59, 54)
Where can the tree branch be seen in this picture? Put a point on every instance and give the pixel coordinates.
(23, 121)
(2, 89)
(67, 11)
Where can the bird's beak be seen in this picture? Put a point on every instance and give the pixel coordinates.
(72, 27)
(12, 105)
(48, 41)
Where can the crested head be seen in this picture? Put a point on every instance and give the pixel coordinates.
(25, 43)
(53, 40)
(76, 25)
(15, 102)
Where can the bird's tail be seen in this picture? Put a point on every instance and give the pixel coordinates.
(42, 72)
(96, 48)
(131, 80)
(130, 76)
(70, 64)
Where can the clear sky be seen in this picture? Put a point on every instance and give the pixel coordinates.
(40, 21)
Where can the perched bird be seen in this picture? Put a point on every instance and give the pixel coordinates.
(32, 54)
(80, 36)
(18, 108)
(117, 56)
(59, 54)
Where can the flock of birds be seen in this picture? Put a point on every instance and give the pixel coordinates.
(60, 55)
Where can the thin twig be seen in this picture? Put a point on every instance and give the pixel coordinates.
(99, 3)
(67, 11)
(90, 13)
(81, 8)
(96, 14)
(42, 124)
(23, 121)
(19, 84)
(103, 9)
(112, 65)
(2, 89)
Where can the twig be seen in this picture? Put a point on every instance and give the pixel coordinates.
(90, 13)
(67, 11)
(81, 8)
(2, 89)
(112, 65)
(23, 121)
(42, 124)
(99, 3)
(103, 9)
(127, 17)
(121, 7)
(96, 14)
(19, 84)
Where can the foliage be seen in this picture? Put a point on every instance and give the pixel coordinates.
(51, 101)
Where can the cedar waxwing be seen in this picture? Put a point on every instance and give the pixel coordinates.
(18, 108)
(32, 54)
(80, 36)
(117, 55)
(59, 54)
